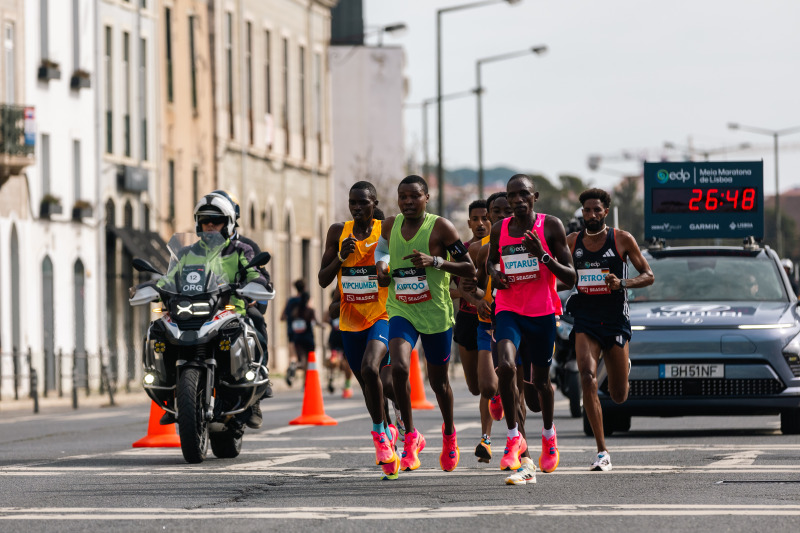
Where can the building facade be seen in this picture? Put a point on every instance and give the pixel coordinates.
(273, 149)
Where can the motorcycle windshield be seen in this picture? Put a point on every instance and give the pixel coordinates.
(195, 265)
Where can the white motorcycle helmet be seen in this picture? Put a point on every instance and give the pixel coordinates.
(215, 205)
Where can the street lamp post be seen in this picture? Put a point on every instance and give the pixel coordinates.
(538, 50)
(440, 132)
(690, 151)
(774, 134)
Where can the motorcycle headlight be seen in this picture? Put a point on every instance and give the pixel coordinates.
(187, 309)
(791, 352)
(563, 329)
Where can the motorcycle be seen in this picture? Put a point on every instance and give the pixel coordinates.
(203, 361)
(564, 370)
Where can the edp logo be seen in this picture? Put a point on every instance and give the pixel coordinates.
(663, 176)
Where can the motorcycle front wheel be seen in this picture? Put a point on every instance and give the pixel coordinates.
(192, 424)
(226, 445)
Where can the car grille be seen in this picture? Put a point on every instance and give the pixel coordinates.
(652, 388)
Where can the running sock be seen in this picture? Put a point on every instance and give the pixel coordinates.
(548, 433)
(387, 430)
(513, 433)
(486, 438)
(347, 384)
(378, 428)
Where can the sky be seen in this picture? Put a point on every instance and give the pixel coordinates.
(619, 77)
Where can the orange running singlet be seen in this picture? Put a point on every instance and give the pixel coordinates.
(363, 301)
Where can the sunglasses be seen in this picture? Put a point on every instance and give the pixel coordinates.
(212, 220)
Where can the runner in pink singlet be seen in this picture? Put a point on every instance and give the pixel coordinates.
(528, 253)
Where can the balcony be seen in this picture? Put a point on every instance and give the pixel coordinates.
(17, 140)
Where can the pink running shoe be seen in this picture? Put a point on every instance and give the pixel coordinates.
(394, 435)
(384, 451)
(450, 455)
(412, 446)
(514, 448)
(548, 461)
(496, 408)
(391, 470)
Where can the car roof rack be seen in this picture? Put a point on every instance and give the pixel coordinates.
(751, 243)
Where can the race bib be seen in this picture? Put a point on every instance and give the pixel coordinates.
(518, 265)
(411, 285)
(360, 284)
(593, 280)
(298, 325)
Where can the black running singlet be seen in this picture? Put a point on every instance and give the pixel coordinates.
(594, 300)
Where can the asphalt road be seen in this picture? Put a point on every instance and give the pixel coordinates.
(64, 470)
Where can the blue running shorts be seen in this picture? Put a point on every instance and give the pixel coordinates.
(435, 345)
(355, 342)
(538, 332)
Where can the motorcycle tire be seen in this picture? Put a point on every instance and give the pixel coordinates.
(192, 424)
(225, 445)
(574, 394)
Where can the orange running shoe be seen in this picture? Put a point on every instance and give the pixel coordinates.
(450, 455)
(548, 461)
(391, 470)
(412, 446)
(347, 393)
(514, 448)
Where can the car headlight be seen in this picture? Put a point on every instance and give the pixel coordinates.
(563, 329)
(791, 352)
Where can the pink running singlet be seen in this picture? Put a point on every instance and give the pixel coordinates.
(532, 287)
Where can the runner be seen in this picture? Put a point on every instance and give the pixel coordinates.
(533, 250)
(350, 256)
(480, 297)
(600, 308)
(465, 332)
(414, 244)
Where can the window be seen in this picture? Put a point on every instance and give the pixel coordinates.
(303, 98)
(76, 168)
(143, 89)
(267, 78)
(249, 73)
(9, 60)
(229, 68)
(126, 69)
(109, 93)
(285, 116)
(45, 163)
(168, 45)
(195, 186)
(193, 61)
(76, 35)
(171, 178)
(318, 105)
(43, 22)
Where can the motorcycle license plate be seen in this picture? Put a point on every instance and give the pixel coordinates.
(691, 371)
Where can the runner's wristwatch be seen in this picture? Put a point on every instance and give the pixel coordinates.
(623, 283)
(545, 258)
(437, 262)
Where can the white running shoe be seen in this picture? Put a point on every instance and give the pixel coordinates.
(602, 462)
(525, 474)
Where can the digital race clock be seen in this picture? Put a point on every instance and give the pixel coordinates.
(703, 200)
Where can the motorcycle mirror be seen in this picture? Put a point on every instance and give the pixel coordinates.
(259, 260)
(144, 266)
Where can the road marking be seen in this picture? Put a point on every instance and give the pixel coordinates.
(383, 513)
(740, 458)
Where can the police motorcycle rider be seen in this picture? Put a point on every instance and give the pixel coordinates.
(255, 310)
(215, 214)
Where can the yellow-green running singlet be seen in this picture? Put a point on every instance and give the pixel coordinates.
(420, 295)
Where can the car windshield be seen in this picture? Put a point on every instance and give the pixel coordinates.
(711, 278)
(195, 264)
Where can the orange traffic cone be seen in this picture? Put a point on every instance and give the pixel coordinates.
(313, 411)
(158, 436)
(418, 400)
